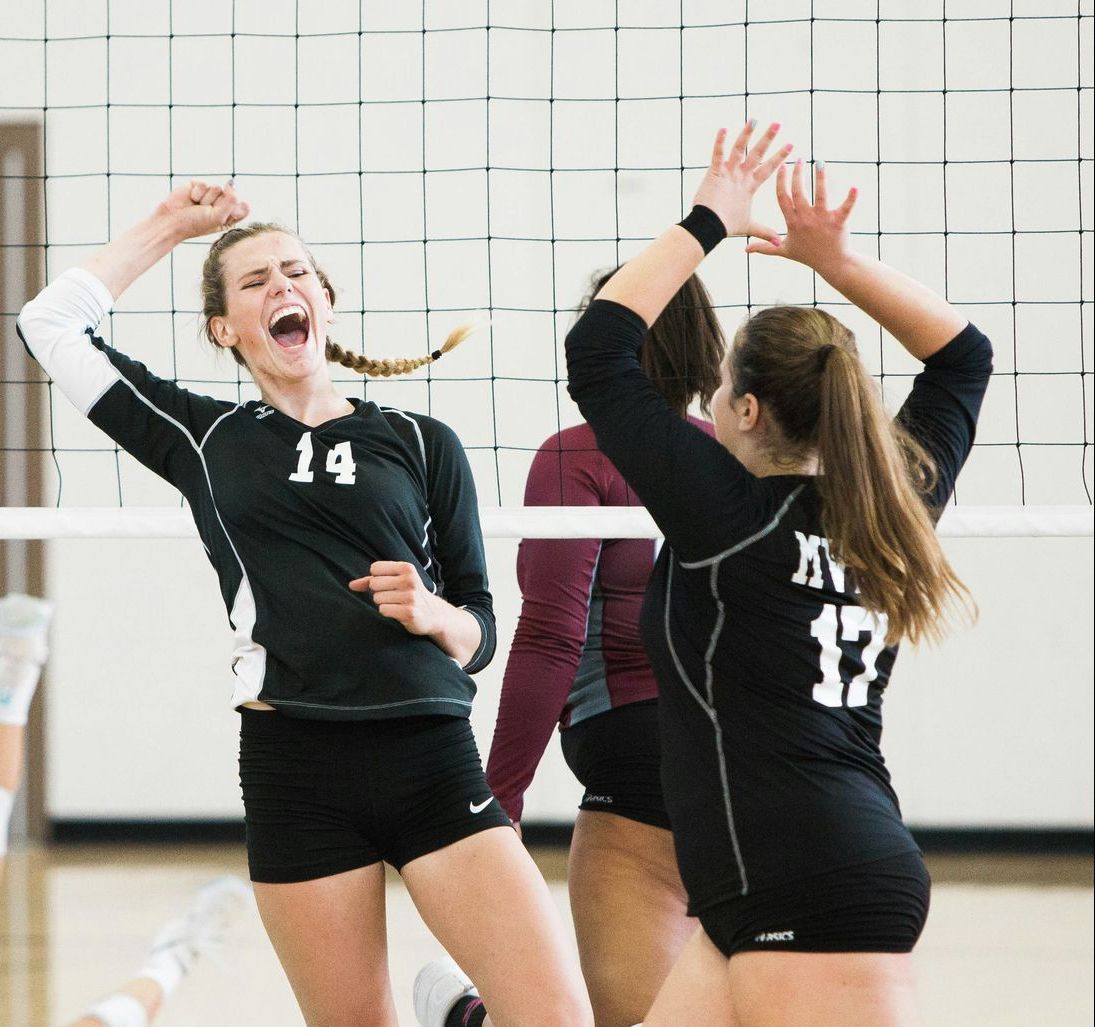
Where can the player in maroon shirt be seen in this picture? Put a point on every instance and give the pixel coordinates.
(577, 662)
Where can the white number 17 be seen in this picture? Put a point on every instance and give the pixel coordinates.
(847, 623)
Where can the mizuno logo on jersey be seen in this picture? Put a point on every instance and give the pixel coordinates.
(263, 411)
(775, 936)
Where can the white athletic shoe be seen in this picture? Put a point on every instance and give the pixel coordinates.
(437, 988)
(215, 907)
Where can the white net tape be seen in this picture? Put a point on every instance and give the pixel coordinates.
(528, 522)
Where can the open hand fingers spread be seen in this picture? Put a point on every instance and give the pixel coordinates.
(768, 249)
(773, 163)
(783, 197)
(759, 231)
(845, 209)
(756, 155)
(798, 190)
(821, 191)
(718, 149)
(741, 144)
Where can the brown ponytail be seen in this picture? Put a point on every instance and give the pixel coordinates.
(803, 365)
(215, 304)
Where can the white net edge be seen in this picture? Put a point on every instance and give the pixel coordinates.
(37, 523)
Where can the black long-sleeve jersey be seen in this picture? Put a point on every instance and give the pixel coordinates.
(770, 674)
(288, 515)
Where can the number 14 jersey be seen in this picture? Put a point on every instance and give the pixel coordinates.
(289, 514)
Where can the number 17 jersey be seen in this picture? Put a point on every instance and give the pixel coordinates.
(770, 674)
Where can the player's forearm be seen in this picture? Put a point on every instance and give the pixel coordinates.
(124, 259)
(458, 634)
(921, 320)
(646, 283)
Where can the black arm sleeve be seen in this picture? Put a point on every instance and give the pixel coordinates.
(941, 411)
(458, 537)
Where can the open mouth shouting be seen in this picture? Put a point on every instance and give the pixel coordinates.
(289, 326)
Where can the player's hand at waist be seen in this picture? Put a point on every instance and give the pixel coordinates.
(399, 593)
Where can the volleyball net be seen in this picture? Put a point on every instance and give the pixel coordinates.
(447, 160)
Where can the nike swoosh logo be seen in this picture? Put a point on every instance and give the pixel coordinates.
(478, 807)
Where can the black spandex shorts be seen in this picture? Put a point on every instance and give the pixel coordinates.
(321, 797)
(879, 906)
(616, 756)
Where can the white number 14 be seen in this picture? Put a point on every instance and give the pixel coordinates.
(340, 462)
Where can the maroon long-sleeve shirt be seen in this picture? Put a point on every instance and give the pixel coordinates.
(576, 651)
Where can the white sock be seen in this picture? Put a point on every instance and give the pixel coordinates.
(180, 943)
(7, 800)
(171, 957)
(120, 1011)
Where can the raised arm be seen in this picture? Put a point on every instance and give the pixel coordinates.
(922, 321)
(158, 422)
(724, 200)
(189, 211)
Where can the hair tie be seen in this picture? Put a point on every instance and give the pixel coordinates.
(435, 355)
(823, 356)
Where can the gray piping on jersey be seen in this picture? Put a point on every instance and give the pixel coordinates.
(201, 458)
(121, 378)
(745, 543)
(417, 432)
(377, 706)
(708, 708)
(482, 621)
(212, 427)
(426, 472)
(209, 485)
(426, 548)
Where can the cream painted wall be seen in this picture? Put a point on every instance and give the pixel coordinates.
(992, 728)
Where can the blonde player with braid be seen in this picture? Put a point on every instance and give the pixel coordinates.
(347, 543)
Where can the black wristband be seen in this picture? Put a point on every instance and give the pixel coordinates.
(705, 226)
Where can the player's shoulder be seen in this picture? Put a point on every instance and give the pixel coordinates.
(428, 432)
(579, 438)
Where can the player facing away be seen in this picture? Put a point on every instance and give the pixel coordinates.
(800, 548)
(346, 540)
(577, 661)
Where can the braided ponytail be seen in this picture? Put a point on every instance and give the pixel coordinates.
(386, 367)
(215, 304)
